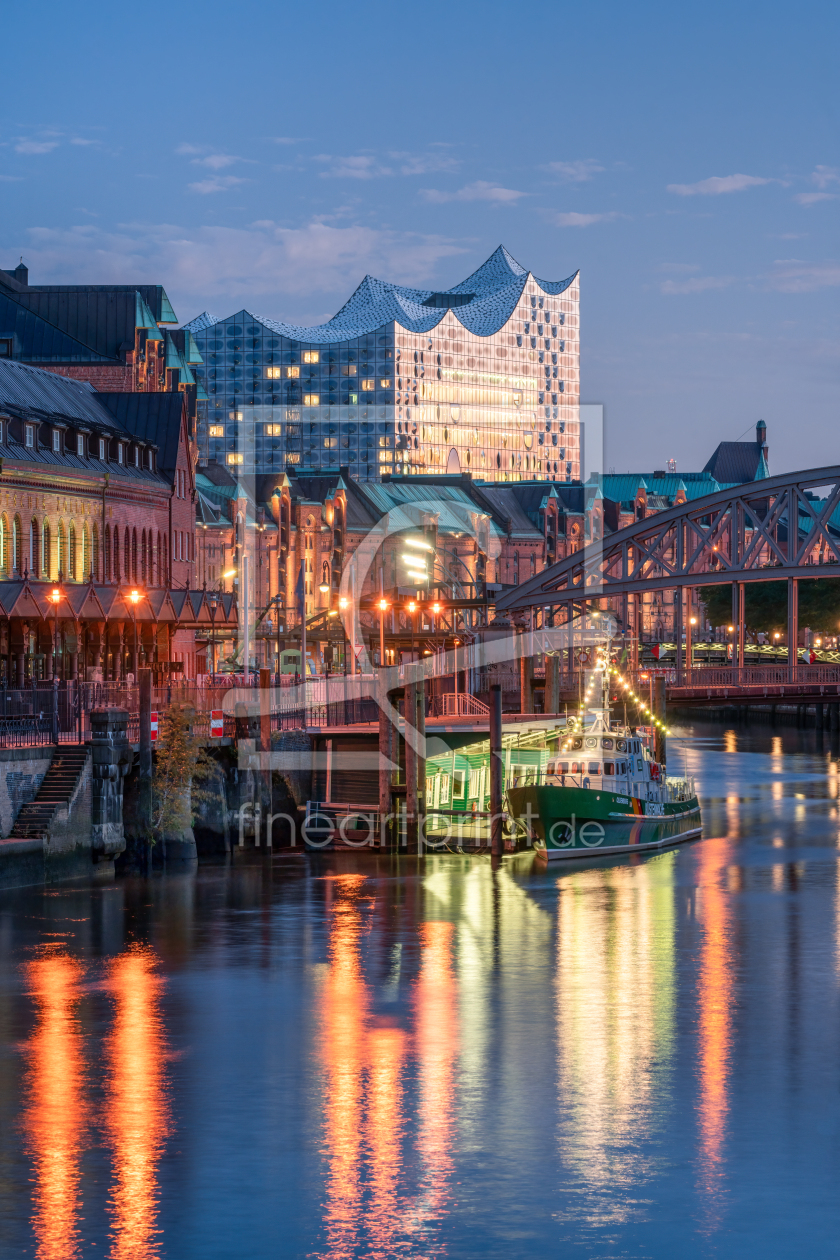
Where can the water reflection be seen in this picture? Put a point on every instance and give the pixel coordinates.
(437, 1048)
(137, 1106)
(715, 995)
(615, 994)
(56, 1117)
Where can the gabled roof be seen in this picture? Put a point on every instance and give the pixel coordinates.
(735, 463)
(153, 418)
(483, 303)
(35, 339)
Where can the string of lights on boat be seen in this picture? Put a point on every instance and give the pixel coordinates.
(602, 666)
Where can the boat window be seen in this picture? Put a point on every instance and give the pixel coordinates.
(458, 783)
(577, 743)
(591, 743)
(577, 767)
(608, 743)
(640, 764)
(609, 768)
(562, 767)
(621, 745)
(549, 769)
(594, 767)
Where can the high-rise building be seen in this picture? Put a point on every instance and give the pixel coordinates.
(482, 378)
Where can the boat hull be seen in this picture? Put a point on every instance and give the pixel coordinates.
(562, 822)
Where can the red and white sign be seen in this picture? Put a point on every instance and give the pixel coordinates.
(154, 727)
(217, 723)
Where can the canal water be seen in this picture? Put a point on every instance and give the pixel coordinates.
(344, 1056)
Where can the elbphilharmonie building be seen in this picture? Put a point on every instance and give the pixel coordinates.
(481, 378)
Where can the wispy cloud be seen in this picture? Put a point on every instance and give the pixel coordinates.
(287, 139)
(481, 190)
(575, 172)
(11, 179)
(696, 284)
(424, 163)
(811, 199)
(186, 149)
(80, 140)
(572, 218)
(792, 275)
(29, 145)
(361, 166)
(716, 185)
(825, 175)
(217, 161)
(217, 183)
(282, 266)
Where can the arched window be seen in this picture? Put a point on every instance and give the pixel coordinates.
(17, 546)
(71, 552)
(94, 551)
(46, 551)
(107, 574)
(86, 558)
(134, 555)
(62, 550)
(4, 545)
(34, 548)
(127, 555)
(143, 557)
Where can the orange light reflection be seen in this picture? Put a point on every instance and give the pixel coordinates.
(56, 1117)
(437, 1048)
(137, 1108)
(715, 992)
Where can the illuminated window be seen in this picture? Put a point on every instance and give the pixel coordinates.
(350, 370)
(274, 373)
(385, 384)
(236, 458)
(310, 400)
(330, 443)
(274, 430)
(384, 457)
(236, 415)
(311, 356)
(368, 384)
(217, 430)
(292, 457)
(293, 372)
(384, 441)
(354, 398)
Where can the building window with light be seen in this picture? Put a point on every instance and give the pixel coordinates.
(368, 385)
(311, 356)
(293, 373)
(236, 458)
(273, 373)
(310, 400)
(217, 430)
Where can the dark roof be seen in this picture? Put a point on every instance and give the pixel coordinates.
(154, 418)
(34, 339)
(736, 462)
(218, 474)
(100, 316)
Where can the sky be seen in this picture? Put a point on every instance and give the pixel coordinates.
(264, 155)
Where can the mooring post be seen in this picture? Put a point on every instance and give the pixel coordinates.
(496, 755)
(659, 710)
(420, 727)
(387, 758)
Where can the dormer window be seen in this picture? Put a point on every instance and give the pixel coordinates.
(29, 436)
(56, 441)
(101, 448)
(151, 460)
(137, 457)
(80, 445)
(120, 453)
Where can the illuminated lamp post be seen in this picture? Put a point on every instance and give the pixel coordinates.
(383, 607)
(689, 643)
(134, 597)
(55, 600)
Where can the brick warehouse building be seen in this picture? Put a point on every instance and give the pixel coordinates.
(95, 489)
(114, 337)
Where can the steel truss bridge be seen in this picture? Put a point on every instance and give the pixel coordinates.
(780, 529)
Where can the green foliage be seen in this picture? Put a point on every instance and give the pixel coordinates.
(766, 605)
(180, 764)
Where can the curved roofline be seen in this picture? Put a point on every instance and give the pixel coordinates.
(491, 294)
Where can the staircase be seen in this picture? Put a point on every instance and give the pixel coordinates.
(57, 788)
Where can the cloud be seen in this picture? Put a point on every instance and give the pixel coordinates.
(424, 163)
(11, 179)
(481, 190)
(811, 199)
(217, 183)
(302, 274)
(217, 161)
(792, 275)
(825, 175)
(190, 148)
(718, 184)
(575, 172)
(696, 284)
(572, 218)
(361, 167)
(81, 140)
(287, 139)
(35, 146)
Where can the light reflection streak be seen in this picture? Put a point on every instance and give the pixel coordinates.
(437, 1048)
(137, 1107)
(344, 1010)
(715, 995)
(56, 1117)
(615, 993)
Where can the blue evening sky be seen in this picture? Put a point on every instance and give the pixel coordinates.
(267, 155)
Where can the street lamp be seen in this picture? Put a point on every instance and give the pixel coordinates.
(55, 599)
(382, 605)
(135, 596)
(342, 603)
(213, 599)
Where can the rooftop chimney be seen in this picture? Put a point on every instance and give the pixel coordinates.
(761, 439)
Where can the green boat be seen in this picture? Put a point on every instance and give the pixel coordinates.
(603, 793)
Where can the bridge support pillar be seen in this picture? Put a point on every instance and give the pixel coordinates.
(834, 715)
(820, 716)
(793, 625)
(552, 683)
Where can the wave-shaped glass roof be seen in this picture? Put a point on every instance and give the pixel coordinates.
(483, 303)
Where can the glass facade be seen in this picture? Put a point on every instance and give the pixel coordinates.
(501, 403)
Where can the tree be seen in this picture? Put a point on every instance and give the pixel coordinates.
(766, 605)
(180, 765)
